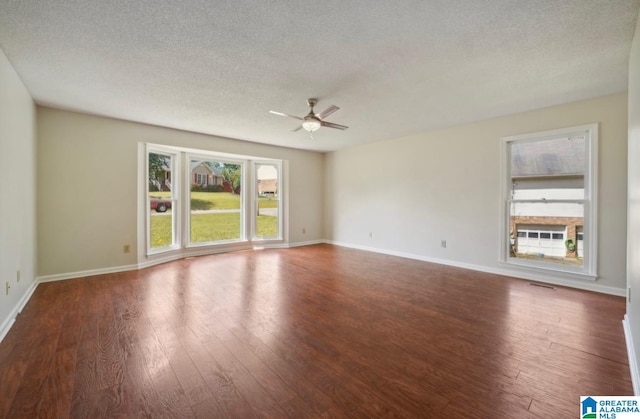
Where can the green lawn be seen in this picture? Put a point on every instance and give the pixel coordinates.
(212, 227)
(267, 226)
(219, 200)
(208, 200)
(209, 228)
(267, 202)
(160, 231)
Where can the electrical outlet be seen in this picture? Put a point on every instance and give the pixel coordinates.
(8, 287)
(126, 248)
(370, 235)
(18, 276)
(443, 243)
(304, 230)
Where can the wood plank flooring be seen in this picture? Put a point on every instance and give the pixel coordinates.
(317, 331)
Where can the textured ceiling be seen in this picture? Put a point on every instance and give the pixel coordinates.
(393, 67)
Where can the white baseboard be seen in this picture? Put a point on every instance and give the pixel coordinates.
(8, 322)
(195, 252)
(631, 352)
(307, 243)
(586, 285)
(90, 272)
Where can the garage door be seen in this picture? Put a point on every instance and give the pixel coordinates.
(541, 239)
(580, 236)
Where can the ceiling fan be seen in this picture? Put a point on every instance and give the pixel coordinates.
(313, 121)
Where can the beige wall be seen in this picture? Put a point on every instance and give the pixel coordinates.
(633, 228)
(17, 193)
(88, 183)
(406, 195)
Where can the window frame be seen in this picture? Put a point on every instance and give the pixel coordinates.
(588, 270)
(176, 209)
(181, 180)
(186, 222)
(255, 201)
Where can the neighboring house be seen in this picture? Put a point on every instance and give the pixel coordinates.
(204, 175)
(201, 175)
(267, 186)
(547, 178)
(162, 182)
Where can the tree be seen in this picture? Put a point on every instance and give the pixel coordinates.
(158, 163)
(231, 174)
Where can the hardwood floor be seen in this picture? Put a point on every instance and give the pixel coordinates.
(317, 331)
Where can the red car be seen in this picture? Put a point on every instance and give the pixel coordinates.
(159, 204)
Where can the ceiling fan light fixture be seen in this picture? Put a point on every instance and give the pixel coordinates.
(314, 121)
(311, 124)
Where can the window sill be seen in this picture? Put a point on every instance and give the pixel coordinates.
(550, 269)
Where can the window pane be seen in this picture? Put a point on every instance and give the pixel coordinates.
(268, 201)
(549, 193)
(548, 169)
(215, 201)
(161, 201)
(545, 171)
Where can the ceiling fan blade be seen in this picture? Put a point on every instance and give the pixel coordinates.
(331, 109)
(298, 129)
(332, 125)
(285, 114)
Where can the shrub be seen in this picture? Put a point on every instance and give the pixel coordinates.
(206, 188)
(213, 188)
